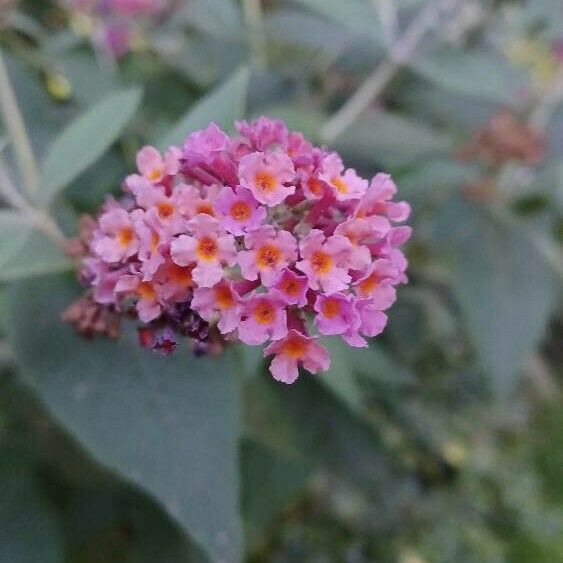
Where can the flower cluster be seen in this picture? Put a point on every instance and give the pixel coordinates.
(114, 25)
(259, 237)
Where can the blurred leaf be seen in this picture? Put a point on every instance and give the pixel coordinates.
(223, 105)
(25, 252)
(391, 139)
(29, 531)
(270, 484)
(357, 15)
(85, 140)
(220, 19)
(169, 425)
(505, 289)
(481, 74)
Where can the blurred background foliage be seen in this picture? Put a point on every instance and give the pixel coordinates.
(442, 442)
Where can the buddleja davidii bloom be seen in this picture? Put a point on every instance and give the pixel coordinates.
(247, 237)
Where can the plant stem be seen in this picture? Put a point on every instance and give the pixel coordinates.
(17, 132)
(399, 53)
(38, 217)
(255, 26)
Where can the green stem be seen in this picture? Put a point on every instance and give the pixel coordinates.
(255, 25)
(17, 132)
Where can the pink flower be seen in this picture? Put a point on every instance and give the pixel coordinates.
(153, 167)
(153, 242)
(116, 239)
(362, 232)
(147, 305)
(325, 261)
(377, 200)
(239, 210)
(291, 288)
(263, 317)
(174, 282)
(220, 300)
(266, 176)
(192, 201)
(346, 185)
(263, 133)
(372, 323)
(293, 350)
(208, 247)
(377, 284)
(336, 314)
(269, 253)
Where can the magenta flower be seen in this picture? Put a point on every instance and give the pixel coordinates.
(267, 176)
(239, 211)
(116, 238)
(326, 261)
(336, 314)
(249, 238)
(291, 288)
(207, 247)
(269, 253)
(221, 301)
(293, 350)
(263, 317)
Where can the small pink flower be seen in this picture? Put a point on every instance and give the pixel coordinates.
(346, 184)
(291, 288)
(192, 201)
(209, 248)
(239, 210)
(116, 239)
(263, 317)
(263, 133)
(174, 282)
(266, 176)
(325, 261)
(336, 314)
(220, 300)
(377, 200)
(153, 242)
(147, 305)
(153, 167)
(372, 323)
(293, 350)
(362, 232)
(377, 284)
(269, 253)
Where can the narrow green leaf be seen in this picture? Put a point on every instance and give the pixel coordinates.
(169, 425)
(85, 140)
(223, 105)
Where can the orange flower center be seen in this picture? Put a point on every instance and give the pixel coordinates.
(330, 308)
(125, 236)
(205, 208)
(181, 275)
(207, 249)
(290, 287)
(224, 297)
(265, 181)
(264, 313)
(146, 292)
(339, 184)
(240, 211)
(321, 262)
(268, 256)
(165, 209)
(295, 347)
(315, 186)
(154, 175)
(366, 286)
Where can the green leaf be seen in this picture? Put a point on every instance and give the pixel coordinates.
(479, 74)
(169, 425)
(392, 139)
(25, 252)
(29, 530)
(270, 483)
(505, 289)
(85, 140)
(223, 105)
